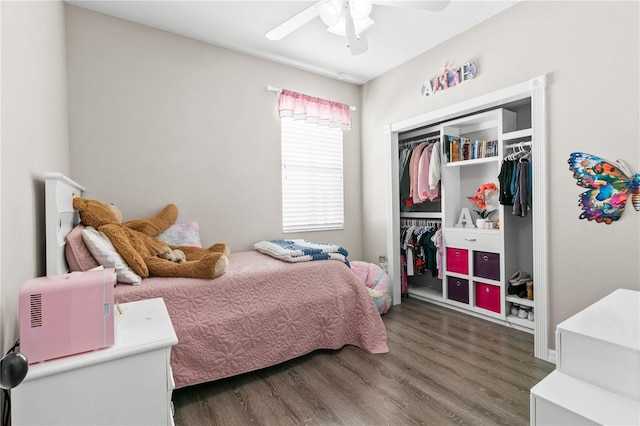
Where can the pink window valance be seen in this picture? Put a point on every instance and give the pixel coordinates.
(314, 110)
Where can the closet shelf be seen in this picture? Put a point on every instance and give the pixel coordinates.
(421, 215)
(519, 301)
(522, 322)
(461, 163)
(517, 134)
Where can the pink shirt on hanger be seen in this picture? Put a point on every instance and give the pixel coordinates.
(413, 171)
(425, 192)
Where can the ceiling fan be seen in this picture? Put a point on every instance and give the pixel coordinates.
(347, 18)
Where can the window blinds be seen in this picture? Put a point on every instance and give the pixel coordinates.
(312, 180)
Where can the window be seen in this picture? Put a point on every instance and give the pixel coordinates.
(312, 186)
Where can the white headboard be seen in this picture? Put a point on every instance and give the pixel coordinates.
(60, 218)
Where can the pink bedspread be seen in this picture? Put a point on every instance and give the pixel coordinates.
(261, 312)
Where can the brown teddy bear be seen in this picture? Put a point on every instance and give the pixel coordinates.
(134, 241)
(154, 227)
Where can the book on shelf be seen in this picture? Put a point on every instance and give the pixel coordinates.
(453, 145)
(492, 149)
(488, 149)
(465, 149)
(459, 149)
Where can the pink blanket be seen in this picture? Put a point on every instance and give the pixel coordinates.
(261, 312)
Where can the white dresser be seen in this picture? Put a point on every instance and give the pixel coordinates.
(597, 380)
(129, 383)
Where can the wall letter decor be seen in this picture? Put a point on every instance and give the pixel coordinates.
(450, 77)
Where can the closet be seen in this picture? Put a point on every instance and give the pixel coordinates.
(499, 136)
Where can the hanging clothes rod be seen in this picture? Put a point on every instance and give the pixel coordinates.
(519, 145)
(420, 140)
(420, 222)
(277, 90)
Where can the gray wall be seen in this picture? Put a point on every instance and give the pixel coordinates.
(590, 52)
(34, 140)
(158, 118)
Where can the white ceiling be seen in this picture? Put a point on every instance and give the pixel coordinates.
(398, 34)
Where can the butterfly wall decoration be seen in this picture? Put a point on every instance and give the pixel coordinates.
(609, 186)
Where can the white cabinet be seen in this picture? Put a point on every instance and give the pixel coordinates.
(597, 380)
(129, 383)
(477, 262)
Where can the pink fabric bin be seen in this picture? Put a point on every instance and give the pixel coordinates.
(457, 260)
(488, 297)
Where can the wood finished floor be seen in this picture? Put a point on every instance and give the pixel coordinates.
(443, 368)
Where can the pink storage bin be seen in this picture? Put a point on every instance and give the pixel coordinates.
(457, 260)
(488, 297)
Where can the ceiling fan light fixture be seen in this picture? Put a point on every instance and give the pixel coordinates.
(360, 9)
(347, 18)
(340, 28)
(330, 11)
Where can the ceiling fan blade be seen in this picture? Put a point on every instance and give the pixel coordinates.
(431, 5)
(293, 23)
(357, 42)
(359, 45)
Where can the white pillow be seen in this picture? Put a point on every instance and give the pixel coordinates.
(103, 251)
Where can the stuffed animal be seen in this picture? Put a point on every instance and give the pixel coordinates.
(153, 227)
(135, 242)
(172, 255)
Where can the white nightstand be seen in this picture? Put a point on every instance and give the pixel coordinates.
(129, 383)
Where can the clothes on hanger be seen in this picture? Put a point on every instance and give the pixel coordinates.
(439, 243)
(419, 172)
(413, 171)
(521, 200)
(404, 284)
(405, 182)
(425, 192)
(515, 180)
(507, 170)
(420, 252)
(435, 167)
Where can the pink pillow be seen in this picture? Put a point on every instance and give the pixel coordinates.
(78, 256)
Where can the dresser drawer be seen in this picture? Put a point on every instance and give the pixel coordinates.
(486, 265)
(482, 239)
(458, 289)
(488, 297)
(457, 260)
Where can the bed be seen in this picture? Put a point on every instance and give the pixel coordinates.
(260, 312)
